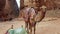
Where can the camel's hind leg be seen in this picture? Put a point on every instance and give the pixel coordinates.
(26, 27)
(34, 26)
(30, 28)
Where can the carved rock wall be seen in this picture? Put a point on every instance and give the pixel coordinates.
(10, 10)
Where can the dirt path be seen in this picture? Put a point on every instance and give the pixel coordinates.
(47, 26)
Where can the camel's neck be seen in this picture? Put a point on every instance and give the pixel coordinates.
(40, 15)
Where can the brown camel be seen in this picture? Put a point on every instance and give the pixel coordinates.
(31, 17)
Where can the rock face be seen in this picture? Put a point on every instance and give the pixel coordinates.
(21, 4)
(51, 4)
(2, 4)
(14, 7)
(10, 10)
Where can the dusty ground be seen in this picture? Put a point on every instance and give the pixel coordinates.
(49, 25)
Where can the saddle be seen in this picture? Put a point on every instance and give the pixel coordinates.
(17, 31)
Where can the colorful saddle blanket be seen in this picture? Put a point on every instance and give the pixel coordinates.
(17, 31)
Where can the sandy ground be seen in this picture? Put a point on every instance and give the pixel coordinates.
(49, 25)
(46, 26)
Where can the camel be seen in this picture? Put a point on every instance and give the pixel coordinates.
(31, 18)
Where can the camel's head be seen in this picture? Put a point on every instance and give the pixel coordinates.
(41, 14)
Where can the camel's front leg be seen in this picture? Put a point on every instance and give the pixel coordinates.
(30, 29)
(26, 25)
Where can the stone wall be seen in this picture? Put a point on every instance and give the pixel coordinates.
(21, 4)
(53, 13)
(2, 4)
(10, 11)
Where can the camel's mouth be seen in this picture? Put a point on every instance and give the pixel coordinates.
(18, 2)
